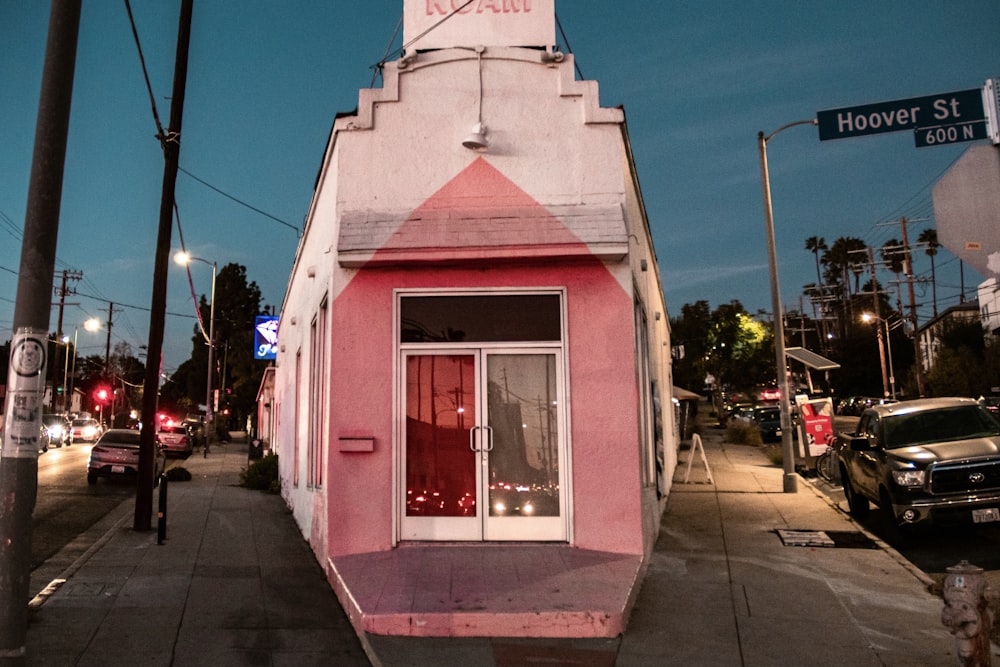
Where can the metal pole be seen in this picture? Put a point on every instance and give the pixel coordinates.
(211, 361)
(29, 346)
(790, 480)
(892, 374)
(876, 293)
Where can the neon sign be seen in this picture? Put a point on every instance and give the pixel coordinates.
(265, 337)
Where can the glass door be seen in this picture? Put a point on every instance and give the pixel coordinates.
(483, 446)
(523, 447)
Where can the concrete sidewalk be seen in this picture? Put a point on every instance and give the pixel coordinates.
(236, 584)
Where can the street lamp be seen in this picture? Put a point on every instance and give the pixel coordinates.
(787, 449)
(69, 371)
(184, 259)
(890, 380)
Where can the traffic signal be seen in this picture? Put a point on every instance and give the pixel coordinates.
(102, 394)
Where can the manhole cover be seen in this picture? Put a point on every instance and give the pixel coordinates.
(843, 539)
(805, 538)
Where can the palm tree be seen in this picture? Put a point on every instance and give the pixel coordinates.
(839, 260)
(929, 238)
(894, 256)
(815, 244)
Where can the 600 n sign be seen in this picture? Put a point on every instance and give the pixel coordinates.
(949, 134)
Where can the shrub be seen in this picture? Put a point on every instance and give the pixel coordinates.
(741, 432)
(775, 455)
(262, 475)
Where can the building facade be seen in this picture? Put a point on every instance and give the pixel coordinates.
(474, 343)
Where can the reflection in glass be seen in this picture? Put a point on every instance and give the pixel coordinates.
(440, 410)
(524, 462)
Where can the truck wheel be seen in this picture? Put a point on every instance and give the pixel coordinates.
(856, 503)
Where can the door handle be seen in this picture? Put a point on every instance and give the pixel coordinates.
(489, 437)
(472, 438)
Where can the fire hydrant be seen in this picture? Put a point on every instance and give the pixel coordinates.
(967, 614)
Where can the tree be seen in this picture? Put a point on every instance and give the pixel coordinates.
(236, 374)
(840, 260)
(727, 343)
(960, 361)
(929, 239)
(815, 245)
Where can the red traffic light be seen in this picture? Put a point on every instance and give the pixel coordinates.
(102, 394)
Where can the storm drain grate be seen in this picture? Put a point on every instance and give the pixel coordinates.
(842, 539)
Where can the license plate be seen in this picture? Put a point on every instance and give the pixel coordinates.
(121, 469)
(987, 515)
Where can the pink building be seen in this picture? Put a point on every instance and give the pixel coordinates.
(474, 346)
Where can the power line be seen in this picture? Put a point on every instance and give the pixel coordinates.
(239, 201)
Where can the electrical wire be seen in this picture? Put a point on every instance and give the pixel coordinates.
(569, 49)
(381, 64)
(240, 201)
(145, 73)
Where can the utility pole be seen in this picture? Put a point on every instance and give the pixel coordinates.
(908, 271)
(876, 297)
(29, 345)
(157, 313)
(63, 293)
(107, 344)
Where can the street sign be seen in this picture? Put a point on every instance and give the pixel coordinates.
(933, 111)
(950, 134)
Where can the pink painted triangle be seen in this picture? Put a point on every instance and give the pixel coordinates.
(483, 209)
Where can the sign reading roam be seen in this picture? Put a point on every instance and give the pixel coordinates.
(457, 23)
(934, 111)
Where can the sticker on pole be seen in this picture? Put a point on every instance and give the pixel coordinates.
(25, 394)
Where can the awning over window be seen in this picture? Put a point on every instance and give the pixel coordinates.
(811, 359)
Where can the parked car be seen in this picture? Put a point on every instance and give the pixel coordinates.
(175, 439)
(991, 403)
(934, 460)
(86, 430)
(59, 429)
(43, 440)
(768, 420)
(195, 425)
(116, 455)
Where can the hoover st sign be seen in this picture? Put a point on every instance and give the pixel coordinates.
(936, 119)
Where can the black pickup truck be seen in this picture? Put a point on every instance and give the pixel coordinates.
(934, 460)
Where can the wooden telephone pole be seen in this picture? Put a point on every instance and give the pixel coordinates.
(29, 346)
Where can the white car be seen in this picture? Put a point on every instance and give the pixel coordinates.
(175, 440)
(86, 430)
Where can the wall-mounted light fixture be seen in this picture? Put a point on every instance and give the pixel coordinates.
(477, 140)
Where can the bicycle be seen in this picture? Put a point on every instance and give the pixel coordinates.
(827, 465)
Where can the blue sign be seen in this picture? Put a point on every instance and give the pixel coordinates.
(265, 337)
(961, 107)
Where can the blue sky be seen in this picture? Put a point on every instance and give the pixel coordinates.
(697, 81)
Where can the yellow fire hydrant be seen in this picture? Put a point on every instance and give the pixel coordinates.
(967, 614)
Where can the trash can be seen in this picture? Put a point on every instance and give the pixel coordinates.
(256, 449)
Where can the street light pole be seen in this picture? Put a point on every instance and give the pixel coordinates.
(888, 379)
(790, 482)
(892, 374)
(184, 258)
